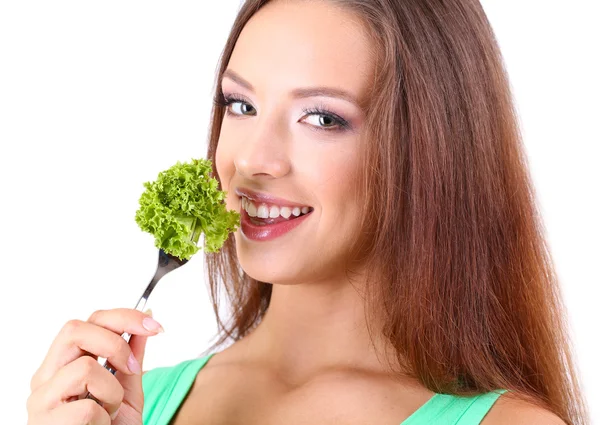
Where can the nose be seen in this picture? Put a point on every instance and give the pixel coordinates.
(264, 151)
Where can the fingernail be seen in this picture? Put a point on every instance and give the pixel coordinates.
(152, 325)
(114, 414)
(133, 365)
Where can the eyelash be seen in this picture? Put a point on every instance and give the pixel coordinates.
(342, 124)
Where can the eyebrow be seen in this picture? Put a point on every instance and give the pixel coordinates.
(299, 93)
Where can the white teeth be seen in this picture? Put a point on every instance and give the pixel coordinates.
(285, 212)
(262, 212)
(274, 211)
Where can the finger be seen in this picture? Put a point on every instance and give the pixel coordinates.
(78, 338)
(121, 320)
(132, 384)
(138, 344)
(75, 379)
(80, 412)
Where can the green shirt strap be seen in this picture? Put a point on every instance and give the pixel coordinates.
(165, 388)
(447, 409)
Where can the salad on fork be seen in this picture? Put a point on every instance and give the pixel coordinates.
(180, 205)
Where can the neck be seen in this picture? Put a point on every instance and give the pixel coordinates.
(312, 327)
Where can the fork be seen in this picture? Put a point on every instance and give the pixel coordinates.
(166, 263)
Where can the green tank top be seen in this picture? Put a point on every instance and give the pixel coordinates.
(165, 388)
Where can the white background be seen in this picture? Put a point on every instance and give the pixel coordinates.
(98, 97)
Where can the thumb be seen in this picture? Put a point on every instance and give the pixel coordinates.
(132, 384)
(137, 343)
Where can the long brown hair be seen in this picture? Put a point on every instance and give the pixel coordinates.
(461, 281)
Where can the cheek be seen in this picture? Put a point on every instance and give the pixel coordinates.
(224, 162)
(226, 170)
(339, 172)
(337, 185)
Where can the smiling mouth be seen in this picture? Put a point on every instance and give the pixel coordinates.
(269, 228)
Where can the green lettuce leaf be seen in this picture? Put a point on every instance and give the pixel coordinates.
(182, 203)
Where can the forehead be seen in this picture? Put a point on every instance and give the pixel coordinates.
(289, 44)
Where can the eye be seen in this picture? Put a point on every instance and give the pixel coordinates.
(323, 119)
(235, 105)
(239, 107)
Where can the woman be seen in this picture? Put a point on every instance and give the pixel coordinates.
(390, 266)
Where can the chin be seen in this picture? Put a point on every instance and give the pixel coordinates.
(264, 271)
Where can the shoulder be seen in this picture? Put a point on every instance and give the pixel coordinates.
(512, 410)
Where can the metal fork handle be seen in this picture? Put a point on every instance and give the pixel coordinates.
(166, 263)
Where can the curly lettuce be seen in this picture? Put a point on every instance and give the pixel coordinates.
(182, 203)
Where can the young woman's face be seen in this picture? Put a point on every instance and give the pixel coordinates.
(291, 143)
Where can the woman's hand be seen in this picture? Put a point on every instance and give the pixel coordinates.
(70, 369)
